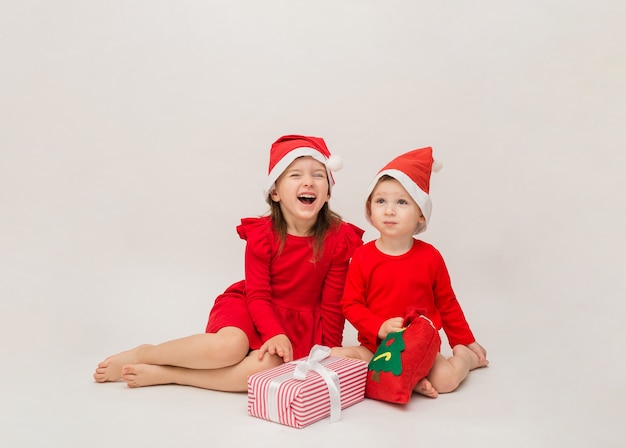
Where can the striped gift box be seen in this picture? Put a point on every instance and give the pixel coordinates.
(298, 403)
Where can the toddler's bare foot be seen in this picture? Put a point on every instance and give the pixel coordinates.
(424, 387)
(111, 368)
(140, 375)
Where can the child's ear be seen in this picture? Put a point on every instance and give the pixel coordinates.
(274, 195)
(421, 220)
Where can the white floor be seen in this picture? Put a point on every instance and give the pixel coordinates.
(539, 391)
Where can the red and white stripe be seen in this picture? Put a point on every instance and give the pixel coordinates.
(301, 402)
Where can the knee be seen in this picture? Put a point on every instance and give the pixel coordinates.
(233, 344)
(270, 361)
(341, 352)
(353, 352)
(267, 362)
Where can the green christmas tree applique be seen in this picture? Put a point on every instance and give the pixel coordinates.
(388, 356)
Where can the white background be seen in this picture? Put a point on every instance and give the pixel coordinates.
(134, 135)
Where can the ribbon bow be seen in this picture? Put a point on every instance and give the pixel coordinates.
(317, 354)
(313, 362)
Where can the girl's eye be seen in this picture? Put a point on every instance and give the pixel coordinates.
(379, 201)
(402, 202)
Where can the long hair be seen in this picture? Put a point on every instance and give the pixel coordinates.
(326, 220)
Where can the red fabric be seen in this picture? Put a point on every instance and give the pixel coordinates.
(416, 164)
(285, 293)
(379, 287)
(287, 143)
(420, 346)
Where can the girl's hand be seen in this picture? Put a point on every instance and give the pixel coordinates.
(277, 345)
(480, 352)
(390, 326)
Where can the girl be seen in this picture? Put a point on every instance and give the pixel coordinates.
(396, 273)
(296, 260)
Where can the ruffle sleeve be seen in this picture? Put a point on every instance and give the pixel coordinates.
(350, 237)
(255, 229)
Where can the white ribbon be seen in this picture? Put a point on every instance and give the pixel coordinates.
(313, 362)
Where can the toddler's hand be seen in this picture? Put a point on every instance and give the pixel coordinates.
(480, 352)
(390, 326)
(277, 345)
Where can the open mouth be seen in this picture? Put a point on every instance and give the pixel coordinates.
(306, 198)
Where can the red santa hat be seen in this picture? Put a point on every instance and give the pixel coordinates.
(289, 147)
(412, 170)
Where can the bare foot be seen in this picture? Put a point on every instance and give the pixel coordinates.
(111, 368)
(424, 387)
(140, 375)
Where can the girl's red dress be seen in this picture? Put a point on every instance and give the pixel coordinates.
(284, 292)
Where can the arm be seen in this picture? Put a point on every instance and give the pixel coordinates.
(258, 252)
(333, 319)
(354, 305)
(259, 292)
(259, 299)
(452, 317)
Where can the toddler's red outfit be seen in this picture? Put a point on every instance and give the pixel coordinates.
(380, 286)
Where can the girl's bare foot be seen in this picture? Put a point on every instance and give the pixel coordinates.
(140, 375)
(111, 368)
(424, 387)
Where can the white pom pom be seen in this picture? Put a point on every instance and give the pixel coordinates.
(437, 165)
(334, 163)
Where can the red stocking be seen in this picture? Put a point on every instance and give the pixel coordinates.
(402, 360)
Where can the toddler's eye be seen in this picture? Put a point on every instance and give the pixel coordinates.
(402, 202)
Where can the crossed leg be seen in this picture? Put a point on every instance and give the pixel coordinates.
(229, 379)
(228, 347)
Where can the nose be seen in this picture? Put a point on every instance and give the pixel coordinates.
(390, 209)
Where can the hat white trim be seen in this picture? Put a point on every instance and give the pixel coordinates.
(292, 155)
